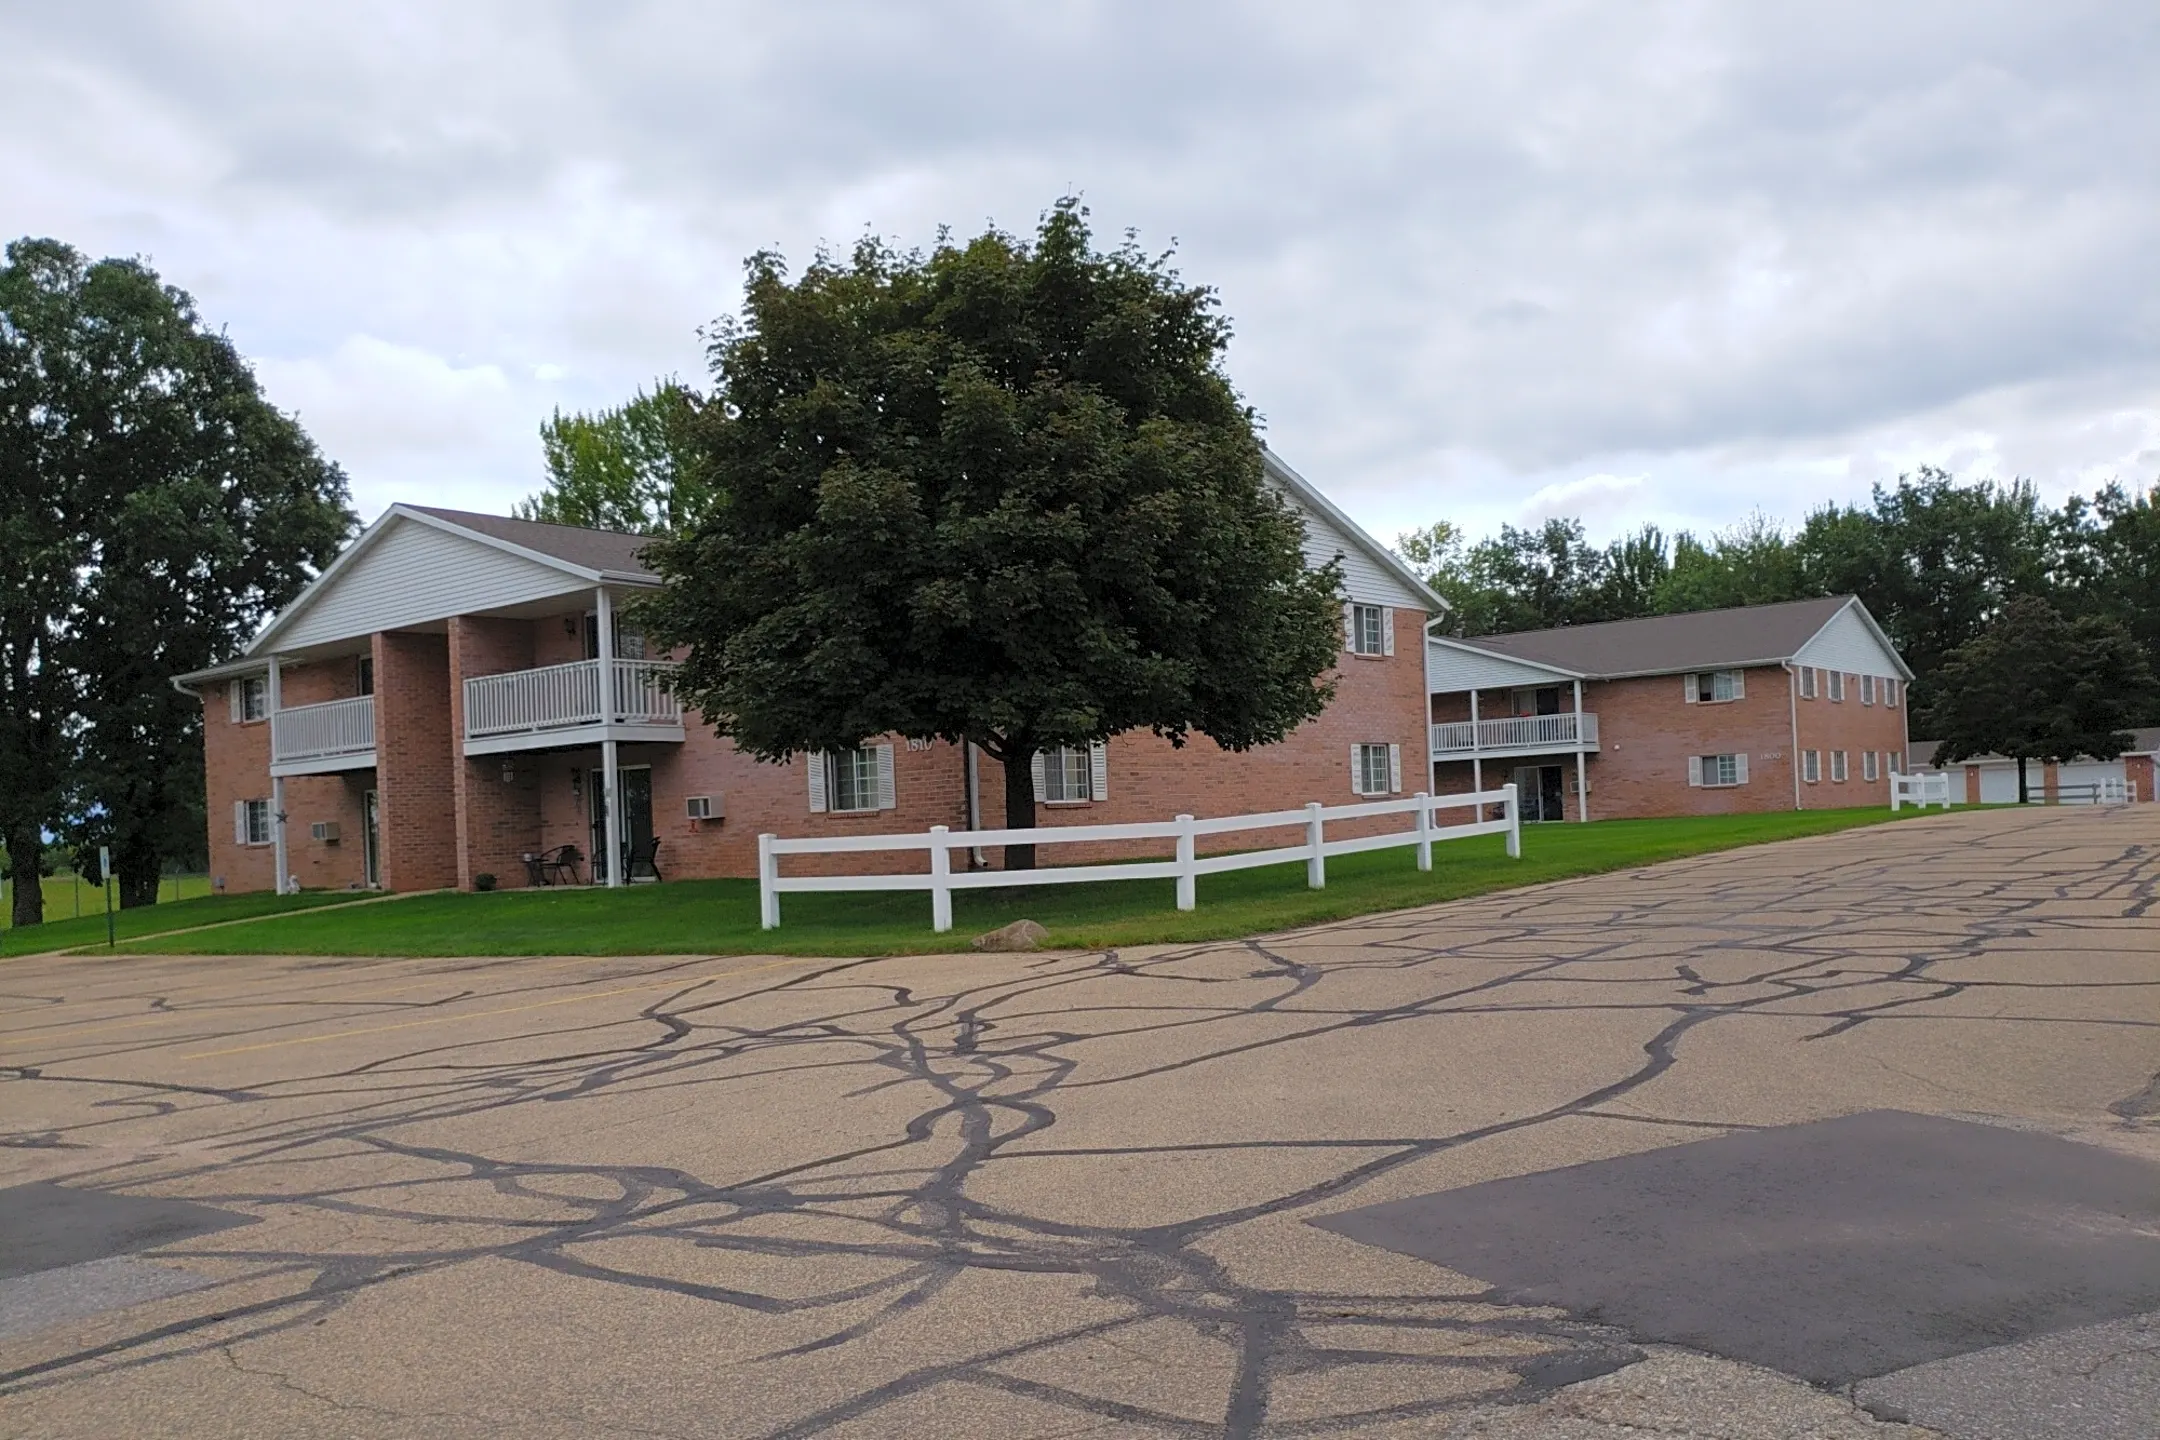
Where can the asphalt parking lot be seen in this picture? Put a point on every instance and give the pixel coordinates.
(1849, 1136)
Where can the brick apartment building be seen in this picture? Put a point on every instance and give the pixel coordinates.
(454, 693)
(1767, 707)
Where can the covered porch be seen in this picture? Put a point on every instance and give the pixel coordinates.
(1523, 720)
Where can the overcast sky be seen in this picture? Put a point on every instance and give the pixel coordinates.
(1633, 261)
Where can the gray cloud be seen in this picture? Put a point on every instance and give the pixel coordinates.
(1478, 256)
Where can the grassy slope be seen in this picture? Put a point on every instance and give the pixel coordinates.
(61, 934)
(65, 894)
(720, 916)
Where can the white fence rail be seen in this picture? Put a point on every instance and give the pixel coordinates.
(2110, 790)
(559, 697)
(1513, 732)
(1922, 788)
(1185, 868)
(323, 732)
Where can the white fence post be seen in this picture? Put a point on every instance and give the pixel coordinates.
(1186, 897)
(1514, 820)
(1316, 844)
(940, 880)
(1424, 831)
(768, 875)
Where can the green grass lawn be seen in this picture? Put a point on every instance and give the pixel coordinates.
(62, 931)
(720, 916)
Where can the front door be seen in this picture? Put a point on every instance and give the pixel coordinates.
(635, 783)
(371, 838)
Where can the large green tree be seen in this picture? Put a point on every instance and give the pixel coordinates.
(169, 509)
(999, 493)
(634, 468)
(2034, 685)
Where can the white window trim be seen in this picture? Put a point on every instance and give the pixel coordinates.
(1807, 682)
(1694, 682)
(1361, 756)
(244, 813)
(1890, 692)
(1382, 640)
(1811, 767)
(1837, 687)
(1870, 765)
(1867, 689)
(1840, 767)
(824, 777)
(1702, 777)
(242, 689)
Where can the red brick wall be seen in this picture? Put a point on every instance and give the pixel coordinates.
(339, 864)
(2138, 771)
(414, 762)
(236, 766)
(497, 818)
(1826, 725)
(1647, 730)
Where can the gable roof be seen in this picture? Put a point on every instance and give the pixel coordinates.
(1307, 496)
(1671, 644)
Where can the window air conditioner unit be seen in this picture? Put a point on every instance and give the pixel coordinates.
(702, 807)
(325, 831)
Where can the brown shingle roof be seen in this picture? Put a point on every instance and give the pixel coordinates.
(1662, 644)
(604, 550)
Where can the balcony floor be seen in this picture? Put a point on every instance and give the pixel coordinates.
(575, 737)
(324, 764)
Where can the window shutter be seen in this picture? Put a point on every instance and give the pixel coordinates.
(1694, 770)
(1394, 769)
(1042, 785)
(817, 782)
(1688, 693)
(1739, 684)
(1357, 772)
(239, 822)
(235, 693)
(1387, 631)
(885, 800)
(1349, 626)
(1099, 771)
(1739, 769)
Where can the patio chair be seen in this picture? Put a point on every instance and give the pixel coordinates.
(643, 858)
(557, 866)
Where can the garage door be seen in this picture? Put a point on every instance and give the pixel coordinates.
(2107, 774)
(1998, 783)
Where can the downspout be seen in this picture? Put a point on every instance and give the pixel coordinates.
(1792, 751)
(273, 701)
(971, 767)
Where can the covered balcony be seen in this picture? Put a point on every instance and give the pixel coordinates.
(319, 739)
(1515, 735)
(578, 703)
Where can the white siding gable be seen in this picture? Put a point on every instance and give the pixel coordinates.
(1365, 579)
(1847, 643)
(1449, 669)
(415, 573)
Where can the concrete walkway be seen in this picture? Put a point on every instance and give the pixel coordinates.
(1075, 1194)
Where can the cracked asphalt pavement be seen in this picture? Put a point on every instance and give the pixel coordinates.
(1049, 1195)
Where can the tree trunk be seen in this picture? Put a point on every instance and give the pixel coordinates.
(2021, 780)
(1019, 805)
(136, 866)
(26, 853)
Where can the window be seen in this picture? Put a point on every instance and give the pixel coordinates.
(1837, 685)
(851, 779)
(364, 676)
(629, 641)
(1889, 692)
(1372, 630)
(1067, 774)
(1811, 766)
(1542, 701)
(251, 822)
(1375, 769)
(1893, 762)
(1867, 765)
(1807, 682)
(251, 698)
(1867, 689)
(1713, 686)
(1717, 770)
(1837, 765)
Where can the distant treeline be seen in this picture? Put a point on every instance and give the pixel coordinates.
(1932, 558)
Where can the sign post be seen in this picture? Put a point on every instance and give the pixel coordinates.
(104, 870)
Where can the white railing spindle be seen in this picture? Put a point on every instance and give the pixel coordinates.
(323, 732)
(559, 697)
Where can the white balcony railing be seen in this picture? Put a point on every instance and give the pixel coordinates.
(1515, 732)
(563, 697)
(327, 731)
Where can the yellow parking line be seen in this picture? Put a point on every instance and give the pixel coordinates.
(675, 983)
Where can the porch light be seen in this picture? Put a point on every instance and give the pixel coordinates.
(509, 772)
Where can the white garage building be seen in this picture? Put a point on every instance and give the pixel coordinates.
(1993, 779)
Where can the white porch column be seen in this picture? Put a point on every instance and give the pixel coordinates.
(1582, 763)
(1477, 763)
(272, 703)
(610, 791)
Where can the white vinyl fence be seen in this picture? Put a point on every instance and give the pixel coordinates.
(1185, 868)
(1922, 788)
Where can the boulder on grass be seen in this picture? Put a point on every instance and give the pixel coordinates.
(1020, 935)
